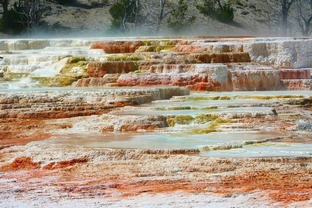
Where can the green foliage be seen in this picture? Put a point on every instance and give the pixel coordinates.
(14, 21)
(123, 11)
(226, 14)
(117, 10)
(208, 8)
(214, 9)
(178, 20)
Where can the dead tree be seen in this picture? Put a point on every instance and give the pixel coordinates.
(279, 12)
(304, 8)
(143, 16)
(155, 13)
(30, 12)
(286, 4)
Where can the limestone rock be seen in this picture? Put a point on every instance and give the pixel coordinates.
(256, 80)
(99, 69)
(281, 53)
(297, 84)
(304, 125)
(72, 103)
(216, 77)
(132, 123)
(118, 46)
(295, 74)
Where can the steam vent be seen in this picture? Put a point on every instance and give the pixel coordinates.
(156, 122)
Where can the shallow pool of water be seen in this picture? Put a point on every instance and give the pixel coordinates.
(227, 142)
(268, 149)
(178, 141)
(194, 112)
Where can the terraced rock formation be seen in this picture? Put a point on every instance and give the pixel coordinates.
(222, 64)
(151, 122)
(205, 64)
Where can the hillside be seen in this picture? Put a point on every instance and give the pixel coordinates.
(92, 18)
(89, 17)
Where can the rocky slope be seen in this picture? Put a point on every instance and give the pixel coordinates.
(92, 18)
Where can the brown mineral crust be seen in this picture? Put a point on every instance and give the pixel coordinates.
(295, 74)
(200, 57)
(62, 111)
(202, 86)
(106, 129)
(186, 80)
(297, 84)
(161, 186)
(283, 187)
(123, 173)
(192, 81)
(133, 124)
(307, 102)
(170, 68)
(118, 46)
(145, 65)
(259, 80)
(20, 132)
(155, 58)
(211, 48)
(21, 137)
(131, 127)
(239, 57)
(145, 80)
(91, 82)
(118, 104)
(21, 163)
(64, 164)
(228, 58)
(256, 122)
(99, 69)
(187, 59)
(190, 48)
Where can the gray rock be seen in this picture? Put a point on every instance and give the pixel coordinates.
(304, 125)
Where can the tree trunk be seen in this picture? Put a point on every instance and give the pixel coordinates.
(161, 14)
(285, 10)
(5, 14)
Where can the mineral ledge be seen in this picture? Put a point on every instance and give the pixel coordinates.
(149, 122)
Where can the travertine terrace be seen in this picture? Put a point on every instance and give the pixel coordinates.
(156, 122)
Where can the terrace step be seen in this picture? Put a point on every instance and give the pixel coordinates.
(295, 74)
(297, 84)
(99, 69)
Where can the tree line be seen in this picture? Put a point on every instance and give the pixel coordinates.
(150, 16)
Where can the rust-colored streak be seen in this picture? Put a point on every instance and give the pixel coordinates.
(21, 163)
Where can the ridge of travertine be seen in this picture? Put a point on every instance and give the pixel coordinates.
(194, 63)
(104, 120)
